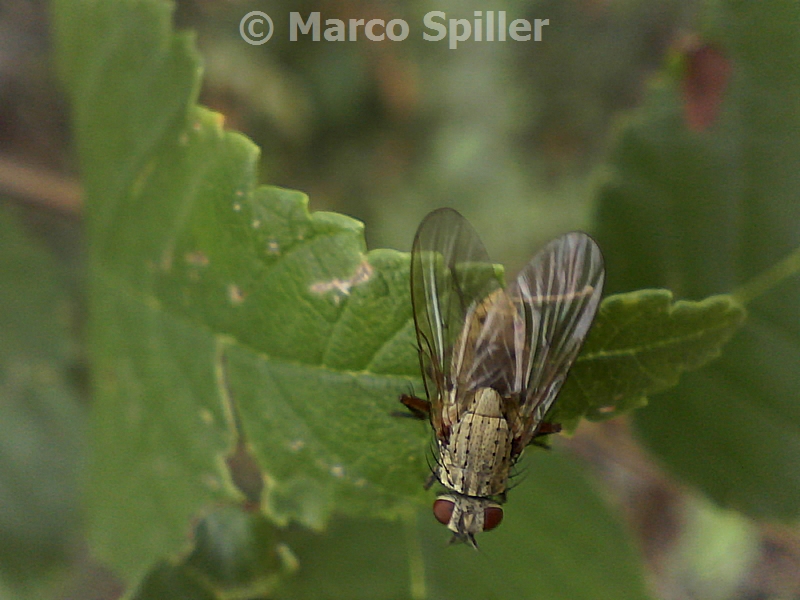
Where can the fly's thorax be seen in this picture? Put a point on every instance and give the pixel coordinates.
(465, 515)
(476, 458)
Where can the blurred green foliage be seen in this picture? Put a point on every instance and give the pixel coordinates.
(707, 212)
(41, 442)
(190, 265)
(387, 132)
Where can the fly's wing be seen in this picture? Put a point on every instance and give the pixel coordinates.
(484, 354)
(555, 298)
(450, 274)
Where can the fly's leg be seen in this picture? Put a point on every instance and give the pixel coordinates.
(548, 428)
(544, 429)
(417, 407)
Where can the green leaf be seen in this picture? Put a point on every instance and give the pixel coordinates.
(234, 554)
(639, 345)
(705, 213)
(190, 264)
(41, 428)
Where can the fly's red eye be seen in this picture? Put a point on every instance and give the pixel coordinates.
(492, 516)
(443, 510)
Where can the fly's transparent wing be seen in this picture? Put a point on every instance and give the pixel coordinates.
(555, 298)
(450, 274)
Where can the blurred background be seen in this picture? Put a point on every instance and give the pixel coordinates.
(513, 135)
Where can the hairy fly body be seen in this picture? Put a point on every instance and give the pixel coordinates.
(493, 360)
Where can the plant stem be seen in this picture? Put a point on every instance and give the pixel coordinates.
(416, 566)
(229, 404)
(764, 282)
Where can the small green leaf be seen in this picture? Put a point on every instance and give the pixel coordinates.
(173, 580)
(236, 549)
(639, 345)
(234, 554)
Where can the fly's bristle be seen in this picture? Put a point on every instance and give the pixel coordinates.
(463, 538)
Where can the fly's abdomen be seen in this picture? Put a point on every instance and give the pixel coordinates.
(476, 458)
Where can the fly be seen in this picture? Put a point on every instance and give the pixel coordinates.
(493, 360)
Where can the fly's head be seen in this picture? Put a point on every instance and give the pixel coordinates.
(467, 515)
